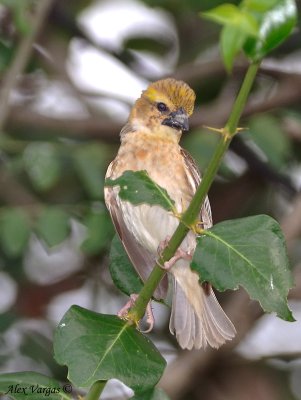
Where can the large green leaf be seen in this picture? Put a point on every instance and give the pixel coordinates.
(33, 386)
(231, 15)
(267, 133)
(100, 347)
(232, 41)
(53, 225)
(14, 231)
(259, 5)
(275, 25)
(122, 271)
(42, 164)
(256, 26)
(99, 231)
(201, 146)
(158, 45)
(90, 161)
(137, 188)
(249, 252)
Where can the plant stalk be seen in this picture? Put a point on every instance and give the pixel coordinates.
(191, 214)
(95, 390)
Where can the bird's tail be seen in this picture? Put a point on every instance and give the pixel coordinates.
(197, 318)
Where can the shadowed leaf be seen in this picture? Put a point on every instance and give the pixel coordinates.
(122, 271)
(248, 252)
(100, 347)
(137, 188)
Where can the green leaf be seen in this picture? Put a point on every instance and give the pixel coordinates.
(201, 146)
(232, 41)
(259, 5)
(158, 45)
(249, 252)
(6, 55)
(275, 25)
(100, 347)
(90, 162)
(152, 394)
(33, 386)
(231, 15)
(42, 164)
(99, 232)
(14, 231)
(267, 133)
(137, 188)
(53, 226)
(122, 271)
(20, 12)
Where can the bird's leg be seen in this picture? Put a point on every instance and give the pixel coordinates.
(197, 227)
(150, 319)
(123, 312)
(179, 254)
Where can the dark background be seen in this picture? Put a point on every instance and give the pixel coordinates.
(65, 94)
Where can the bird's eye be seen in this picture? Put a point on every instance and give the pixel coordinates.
(162, 107)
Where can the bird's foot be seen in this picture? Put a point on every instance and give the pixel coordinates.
(150, 319)
(197, 227)
(123, 313)
(179, 254)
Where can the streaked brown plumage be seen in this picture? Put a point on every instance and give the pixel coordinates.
(150, 141)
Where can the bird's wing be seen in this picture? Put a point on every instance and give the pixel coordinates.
(141, 258)
(194, 176)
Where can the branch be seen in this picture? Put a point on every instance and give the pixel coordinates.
(215, 114)
(21, 59)
(23, 120)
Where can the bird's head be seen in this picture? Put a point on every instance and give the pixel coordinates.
(163, 108)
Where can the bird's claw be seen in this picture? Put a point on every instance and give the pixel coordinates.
(150, 320)
(123, 313)
(179, 254)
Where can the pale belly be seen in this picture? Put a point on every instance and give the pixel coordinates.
(151, 225)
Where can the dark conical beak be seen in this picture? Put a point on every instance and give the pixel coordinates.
(177, 120)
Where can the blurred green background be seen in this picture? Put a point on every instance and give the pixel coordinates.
(60, 118)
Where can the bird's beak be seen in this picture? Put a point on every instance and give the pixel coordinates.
(177, 120)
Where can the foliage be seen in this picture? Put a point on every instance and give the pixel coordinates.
(249, 252)
(256, 27)
(108, 348)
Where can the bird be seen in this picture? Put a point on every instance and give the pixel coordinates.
(150, 142)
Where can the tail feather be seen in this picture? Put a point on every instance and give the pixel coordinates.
(197, 318)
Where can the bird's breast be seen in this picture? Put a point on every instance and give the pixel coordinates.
(164, 163)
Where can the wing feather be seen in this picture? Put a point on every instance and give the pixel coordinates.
(141, 258)
(194, 176)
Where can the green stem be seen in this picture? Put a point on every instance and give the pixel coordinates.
(95, 390)
(241, 99)
(191, 214)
